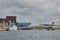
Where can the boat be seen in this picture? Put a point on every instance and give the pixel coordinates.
(12, 28)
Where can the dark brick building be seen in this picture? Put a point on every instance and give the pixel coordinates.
(11, 18)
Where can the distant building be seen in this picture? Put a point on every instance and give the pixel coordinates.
(4, 22)
(22, 24)
(11, 18)
(56, 23)
(46, 25)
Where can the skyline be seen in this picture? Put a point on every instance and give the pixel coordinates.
(34, 11)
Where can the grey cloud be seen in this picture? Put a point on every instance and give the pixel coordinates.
(35, 11)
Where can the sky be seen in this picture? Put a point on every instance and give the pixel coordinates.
(34, 11)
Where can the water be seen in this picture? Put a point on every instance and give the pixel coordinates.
(30, 35)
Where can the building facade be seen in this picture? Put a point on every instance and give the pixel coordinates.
(4, 22)
(22, 24)
(11, 18)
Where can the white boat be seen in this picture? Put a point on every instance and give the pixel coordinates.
(11, 28)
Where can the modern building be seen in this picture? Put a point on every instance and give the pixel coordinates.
(22, 24)
(11, 18)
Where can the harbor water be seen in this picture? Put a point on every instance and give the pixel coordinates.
(30, 35)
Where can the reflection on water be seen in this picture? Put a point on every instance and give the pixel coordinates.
(30, 35)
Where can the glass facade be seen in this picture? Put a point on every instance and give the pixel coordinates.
(21, 24)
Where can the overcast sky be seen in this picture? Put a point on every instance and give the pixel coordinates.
(34, 11)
